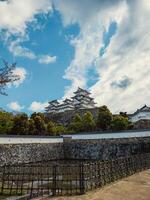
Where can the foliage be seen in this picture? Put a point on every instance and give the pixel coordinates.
(20, 125)
(51, 128)
(37, 124)
(104, 118)
(40, 127)
(88, 122)
(76, 125)
(59, 129)
(7, 76)
(55, 129)
(6, 122)
(123, 114)
(31, 127)
(119, 123)
(33, 115)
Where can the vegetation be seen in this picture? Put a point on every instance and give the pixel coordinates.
(38, 124)
(88, 122)
(7, 76)
(119, 123)
(20, 124)
(51, 128)
(76, 125)
(104, 118)
(6, 122)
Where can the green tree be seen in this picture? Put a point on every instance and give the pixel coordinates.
(39, 125)
(88, 122)
(123, 114)
(55, 129)
(59, 129)
(31, 127)
(77, 124)
(104, 118)
(33, 115)
(6, 122)
(51, 128)
(119, 123)
(20, 126)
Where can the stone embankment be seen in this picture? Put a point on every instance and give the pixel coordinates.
(75, 147)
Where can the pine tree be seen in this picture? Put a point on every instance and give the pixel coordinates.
(120, 123)
(76, 125)
(104, 118)
(88, 122)
(31, 127)
(51, 128)
(20, 124)
(39, 125)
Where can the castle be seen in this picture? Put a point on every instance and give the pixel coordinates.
(141, 114)
(80, 100)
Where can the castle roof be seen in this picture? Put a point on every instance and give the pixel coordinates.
(53, 102)
(79, 90)
(144, 108)
(83, 97)
(67, 101)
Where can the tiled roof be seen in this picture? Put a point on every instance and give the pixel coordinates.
(145, 108)
(80, 90)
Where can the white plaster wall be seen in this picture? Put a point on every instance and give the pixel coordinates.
(140, 115)
(29, 140)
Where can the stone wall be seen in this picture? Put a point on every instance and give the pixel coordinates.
(106, 148)
(25, 153)
(73, 149)
(142, 124)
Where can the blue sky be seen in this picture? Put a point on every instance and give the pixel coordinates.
(44, 81)
(58, 46)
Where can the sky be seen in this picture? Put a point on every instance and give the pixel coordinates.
(100, 45)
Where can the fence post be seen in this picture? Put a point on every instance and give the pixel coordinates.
(2, 179)
(54, 180)
(82, 186)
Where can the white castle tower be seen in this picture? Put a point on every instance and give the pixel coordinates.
(80, 100)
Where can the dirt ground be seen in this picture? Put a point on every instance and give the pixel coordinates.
(136, 187)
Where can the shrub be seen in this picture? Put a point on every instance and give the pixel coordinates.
(88, 122)
(104, 118)
(76, 125)
(119, 123)
(20, 124)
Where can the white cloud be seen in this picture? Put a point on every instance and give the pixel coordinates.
(17, 50)
(126, 56)
(37, 106)
(21, 73)
(93, 18)
(47, 59)
(15, 14)
(15, 106)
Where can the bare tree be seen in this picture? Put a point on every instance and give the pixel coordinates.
(7, 76)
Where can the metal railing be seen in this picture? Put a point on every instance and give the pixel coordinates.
(55, 178)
